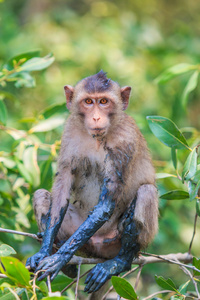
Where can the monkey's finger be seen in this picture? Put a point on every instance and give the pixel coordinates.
(92, 279)
(91, 274)
(44, 275)
(88, 277)
(28, 262)
(102, 281)
(44, 265)
(33, 263)
(53, 276)
(96, 283)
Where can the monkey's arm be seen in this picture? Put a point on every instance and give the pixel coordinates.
(101, 213)
(55, 216)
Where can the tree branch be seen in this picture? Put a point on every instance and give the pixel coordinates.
(141, 260)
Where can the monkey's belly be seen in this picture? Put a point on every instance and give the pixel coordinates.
(101, 247)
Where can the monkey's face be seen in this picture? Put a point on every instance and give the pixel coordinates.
(96, 113)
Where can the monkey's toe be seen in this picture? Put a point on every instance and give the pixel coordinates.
(96, 278)
(70, 271)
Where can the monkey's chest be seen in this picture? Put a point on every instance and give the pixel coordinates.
(86, 188)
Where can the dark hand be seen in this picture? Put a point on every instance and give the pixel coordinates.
(34, 260)
(52, 265)
(102, 272)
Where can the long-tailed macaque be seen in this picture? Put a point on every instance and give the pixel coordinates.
(104, 200)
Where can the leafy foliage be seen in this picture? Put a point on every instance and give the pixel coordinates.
(132, 44)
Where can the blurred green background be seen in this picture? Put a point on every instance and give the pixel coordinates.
(133, 41)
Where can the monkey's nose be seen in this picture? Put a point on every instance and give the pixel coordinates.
(96, 119)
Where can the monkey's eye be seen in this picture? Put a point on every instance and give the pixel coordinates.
(88, 101)
(103, 101)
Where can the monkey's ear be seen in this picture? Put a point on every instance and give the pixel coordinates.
(125, 93)
(69, 93)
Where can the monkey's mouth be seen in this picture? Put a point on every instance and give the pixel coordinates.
(98, 132)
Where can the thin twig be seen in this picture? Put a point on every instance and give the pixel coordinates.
(74, 281)
(194, 232)
(49, 284)
(34, 236)
(77, 283)
(138, 277)
(157, 293)
(3, 276)
(187, 272)
(175, 259)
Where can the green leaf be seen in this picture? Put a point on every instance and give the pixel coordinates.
(174, 71)
(167, 132)
(24, 80)
(16, 58)
(8, 162)
(3, 113)
(46, 174)
(48, 124)
(196, 177)
(198, 207)
(191, 85)
(8, 296)
(183, 288)
(193, 189)
(166, 284)
(174, 157)
(37, 63)
(6, 250)
(175, 195)
(54, 109)
(190, 166)
(164, 175)
(31, 165)
(123, 288)
(43, 287)
(60, 282)
(196, 264)
(16, 271)
(24, 173)
(56, 298)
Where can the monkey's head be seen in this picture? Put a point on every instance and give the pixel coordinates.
(98, 102)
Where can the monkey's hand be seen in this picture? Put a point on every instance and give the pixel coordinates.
(102, 272)
(53, 264)
(34, 260)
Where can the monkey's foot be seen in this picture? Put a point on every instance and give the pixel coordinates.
(70, 270)
(104, 271)
(52, 265)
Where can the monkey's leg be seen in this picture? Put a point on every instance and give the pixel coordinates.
(41, 205)
(100, 214)
(122, 262)
(139, 226)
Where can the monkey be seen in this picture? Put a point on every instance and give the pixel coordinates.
(104, 199)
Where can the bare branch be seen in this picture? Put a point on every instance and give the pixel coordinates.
(49, 284)
(157, 293)
(34, 236)
(74, 281)
(138, 277)
(77, 283)
(187, 272)
(194, 232)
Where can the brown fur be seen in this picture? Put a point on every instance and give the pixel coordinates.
(82, 166)
(101, 141)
